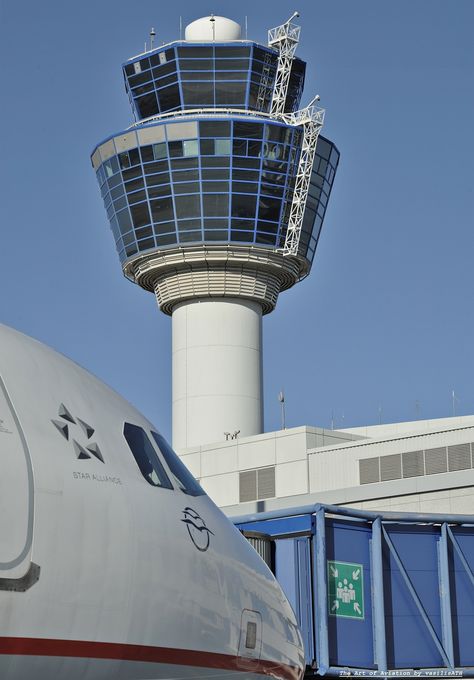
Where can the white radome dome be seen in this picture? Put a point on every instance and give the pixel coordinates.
(212, 28)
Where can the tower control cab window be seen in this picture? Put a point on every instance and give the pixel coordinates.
(184, 479)
(146, 456)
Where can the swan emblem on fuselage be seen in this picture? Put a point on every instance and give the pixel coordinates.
(198, 532)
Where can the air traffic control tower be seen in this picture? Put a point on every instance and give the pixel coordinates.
(216, 197)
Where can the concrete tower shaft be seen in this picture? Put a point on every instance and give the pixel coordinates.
(217, 370)
(216, 198)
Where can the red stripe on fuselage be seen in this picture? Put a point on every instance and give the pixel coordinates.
(165, 655)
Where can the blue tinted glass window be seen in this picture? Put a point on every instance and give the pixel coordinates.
(222, 147)
(160, 151)
(147, 105)
(190, 147)
(215, 205)
(186, 188)
(195, 52)
(181, 187)
(268, 239)
(131, 173)
(140, 215)
(111, 166)
(124, 221)
(146, 244)
(295, 85)
(184, 478)
(146, 456)
(249, 130)
(243, 205)
(169, 98)
(188, 206)
(213, 129)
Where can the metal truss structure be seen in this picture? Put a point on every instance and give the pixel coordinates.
(285, 39)
(311, 120)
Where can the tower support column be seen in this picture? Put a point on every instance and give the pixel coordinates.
(217, 370)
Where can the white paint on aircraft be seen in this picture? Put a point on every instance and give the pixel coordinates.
(115, 577)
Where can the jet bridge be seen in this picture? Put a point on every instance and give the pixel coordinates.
(375, 594)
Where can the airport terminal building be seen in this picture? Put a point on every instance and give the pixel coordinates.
(418, 466)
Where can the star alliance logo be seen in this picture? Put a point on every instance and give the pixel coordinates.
(197, 529)
(74, 429)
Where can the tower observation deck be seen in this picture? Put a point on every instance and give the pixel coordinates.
(216, 196)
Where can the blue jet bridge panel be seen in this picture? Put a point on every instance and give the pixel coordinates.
(376, 594)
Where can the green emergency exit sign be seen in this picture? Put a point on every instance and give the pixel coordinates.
(346, 589)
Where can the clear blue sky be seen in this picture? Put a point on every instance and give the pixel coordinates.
(385, 319)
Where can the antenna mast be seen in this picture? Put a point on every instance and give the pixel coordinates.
(213, 24)
(281, 399)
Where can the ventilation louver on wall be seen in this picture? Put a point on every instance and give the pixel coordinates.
(412, 464)
(416, 463)
(247, 486)
(369, 470)
(266, 482)
(436, 461)
(390, 467)
(257, 484)
(459, 457)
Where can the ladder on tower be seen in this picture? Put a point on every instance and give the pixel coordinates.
(264, 86)
(285, 39)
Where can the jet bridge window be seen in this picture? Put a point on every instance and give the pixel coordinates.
(146, 457)
(180, 472)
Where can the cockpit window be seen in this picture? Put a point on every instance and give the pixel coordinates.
(184, 478)
(145, 455)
